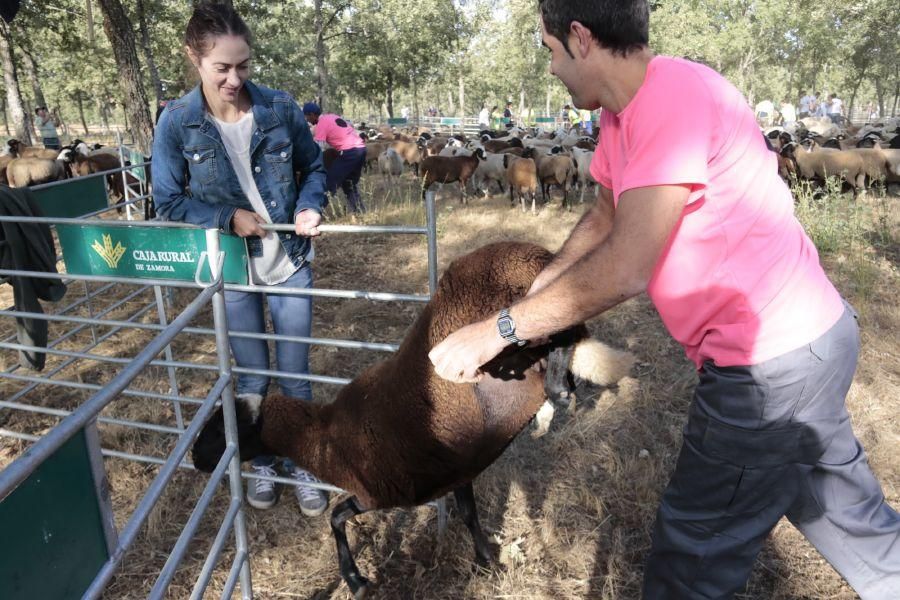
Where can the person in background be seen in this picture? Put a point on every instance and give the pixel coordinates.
(691, 210)
(807, 103)
(587, 122)
(788, 112)
(574, 118)
(231, 155)
(508, 115)
(822, 105)
(484, 118)
(346, 169)
(836, 109)
(46, 124)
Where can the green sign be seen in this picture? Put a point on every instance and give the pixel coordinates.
(451, 121)
(545, 120)
(147, 252)
(74, 198)
(54, 539)
(393, 122)
(137, 158)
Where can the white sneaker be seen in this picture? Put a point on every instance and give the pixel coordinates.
(313, 501)
(261, 492)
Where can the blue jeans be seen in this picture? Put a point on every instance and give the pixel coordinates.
(345, 171)
(291, 315)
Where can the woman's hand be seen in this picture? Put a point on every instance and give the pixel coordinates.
(246, 224)
(307, 223)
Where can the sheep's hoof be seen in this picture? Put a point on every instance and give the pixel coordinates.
(359, 586)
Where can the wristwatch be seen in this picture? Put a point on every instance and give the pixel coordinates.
(506, 327)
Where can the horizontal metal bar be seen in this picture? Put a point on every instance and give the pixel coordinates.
(187, 533)
(117, 206)
(104, 279)
(56, 412)
(231, 582)
(152, 460)
(15, 473)
(215, 551)
(390, 229)
(136, 522)
(346, 344)
(346, 294)
(44, 186)
(61, 367)
(322, 293)
(96, 388)
(179, 365)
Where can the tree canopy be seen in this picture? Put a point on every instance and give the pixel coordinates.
(366, 57)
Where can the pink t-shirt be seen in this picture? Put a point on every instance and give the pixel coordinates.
(740, 282)
(338, 133)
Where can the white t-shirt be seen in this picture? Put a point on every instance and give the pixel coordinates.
(274, 266)
(484, 117)
(837, 106)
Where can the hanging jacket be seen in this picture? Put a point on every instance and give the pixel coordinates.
(28, 247)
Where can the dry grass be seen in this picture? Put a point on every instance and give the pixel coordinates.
(571, 511)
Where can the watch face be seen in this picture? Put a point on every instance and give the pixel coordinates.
(505, 326)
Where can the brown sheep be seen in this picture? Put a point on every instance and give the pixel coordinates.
(25, 172)
(447, 169)
(522, 177)
(398, 434)
(410, 152)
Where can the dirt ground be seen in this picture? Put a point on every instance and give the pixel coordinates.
(571, 512)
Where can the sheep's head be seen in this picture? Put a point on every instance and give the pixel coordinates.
(210, 444)
(13, 146)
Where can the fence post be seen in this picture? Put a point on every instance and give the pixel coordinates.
(231, 437)
(431, 224)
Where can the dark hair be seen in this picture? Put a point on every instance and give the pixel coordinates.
(212, 19)
(618, 25)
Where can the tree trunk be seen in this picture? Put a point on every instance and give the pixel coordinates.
(5, 120)
(415, 88)
(321, 65)
(547, 108)
(148, 52)
(103, 114)
(13, 93)
(80, 101)
(32, 72)
(462, 96)
(119, 31)
(390, 97)
(859, 81)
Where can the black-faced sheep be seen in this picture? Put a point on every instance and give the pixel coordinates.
(400, 435)
(447, 169)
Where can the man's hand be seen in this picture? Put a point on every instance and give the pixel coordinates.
(307, 223)
(246, 224)
(459, 357)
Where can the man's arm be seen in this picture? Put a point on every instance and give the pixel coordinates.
(618, 269)
(591, 230)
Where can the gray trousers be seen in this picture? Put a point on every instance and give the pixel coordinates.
(766, 441)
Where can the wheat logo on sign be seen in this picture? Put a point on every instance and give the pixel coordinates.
(107, 252)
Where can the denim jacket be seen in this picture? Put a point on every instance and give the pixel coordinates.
(194, 180)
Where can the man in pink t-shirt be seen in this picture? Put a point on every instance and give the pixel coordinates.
(346, 167)
(692, 211)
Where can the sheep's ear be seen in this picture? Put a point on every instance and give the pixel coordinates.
(251, 403)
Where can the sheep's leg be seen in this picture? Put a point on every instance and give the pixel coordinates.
(556, 380)
(342, 513)
(465, 502)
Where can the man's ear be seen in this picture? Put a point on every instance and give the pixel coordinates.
(580, 39)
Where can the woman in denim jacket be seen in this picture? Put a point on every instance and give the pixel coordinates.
(232, 155)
